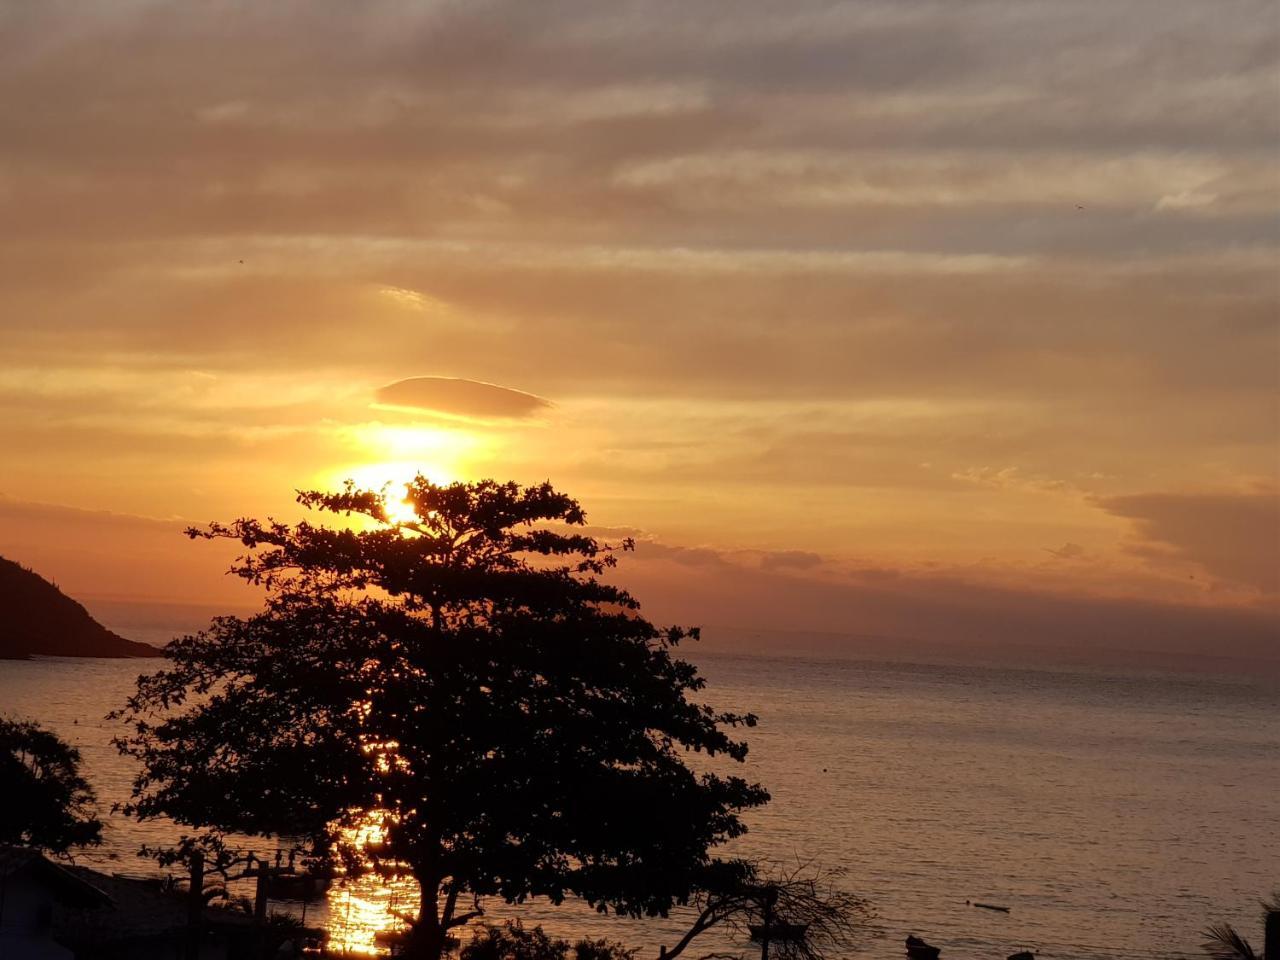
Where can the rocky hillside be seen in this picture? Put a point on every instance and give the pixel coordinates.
(38, 618)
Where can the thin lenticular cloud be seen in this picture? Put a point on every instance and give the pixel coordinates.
(467, 399)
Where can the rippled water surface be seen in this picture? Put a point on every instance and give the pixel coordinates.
(1114, 814)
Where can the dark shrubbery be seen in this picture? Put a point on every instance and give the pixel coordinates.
(514, 942)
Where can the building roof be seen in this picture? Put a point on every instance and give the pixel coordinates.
(95, 907)
(69, 888)
(141, 909)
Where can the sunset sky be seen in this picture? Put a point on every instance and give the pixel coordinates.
(944, 320)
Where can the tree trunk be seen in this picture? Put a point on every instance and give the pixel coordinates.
(195, 906)
(427, 937)
(768, 921)
(426, 942)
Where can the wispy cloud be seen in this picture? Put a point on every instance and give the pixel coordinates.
(1232, 536)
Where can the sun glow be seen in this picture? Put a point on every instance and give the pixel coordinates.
(390, 478)
(391, 456)
(400, 511)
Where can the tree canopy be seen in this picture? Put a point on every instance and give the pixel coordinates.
(468, 683)
(48, 804)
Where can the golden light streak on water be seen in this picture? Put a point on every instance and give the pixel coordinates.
(363, 907)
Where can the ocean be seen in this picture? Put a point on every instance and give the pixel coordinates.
(1114, 812)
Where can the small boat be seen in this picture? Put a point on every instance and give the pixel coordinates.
(918, 949)
(778, 932)
(992, 906)
(297, 886)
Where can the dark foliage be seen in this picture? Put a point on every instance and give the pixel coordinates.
(466, 682)
(47, 804)
(513, 942)
(1224, 942)
(803, 895)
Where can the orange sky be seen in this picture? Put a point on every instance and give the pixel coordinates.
(940, 320)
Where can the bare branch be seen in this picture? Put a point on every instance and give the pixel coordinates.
(803, 896)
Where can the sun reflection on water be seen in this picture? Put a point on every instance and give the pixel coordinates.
(363, 910)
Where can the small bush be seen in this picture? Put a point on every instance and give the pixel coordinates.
(601, 950)
(513, 942)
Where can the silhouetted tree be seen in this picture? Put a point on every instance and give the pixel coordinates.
(824, 918)
(47, 803)
(1223, 942)
(464, 682)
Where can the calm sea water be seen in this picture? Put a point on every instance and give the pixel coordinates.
(1115, 814)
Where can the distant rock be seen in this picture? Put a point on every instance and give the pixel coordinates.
(36, 618)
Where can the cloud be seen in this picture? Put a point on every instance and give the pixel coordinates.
(97, 554)
(710, 558)
(865, 179)
(706, 557)
(790, 560)
(1068, 551)
(467, 399)
(105, 558)
(1185, 200)
(948, 608)
(1234, 536)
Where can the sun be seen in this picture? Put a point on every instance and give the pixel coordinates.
(391, 456)
(392, 477)
(399, 510)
